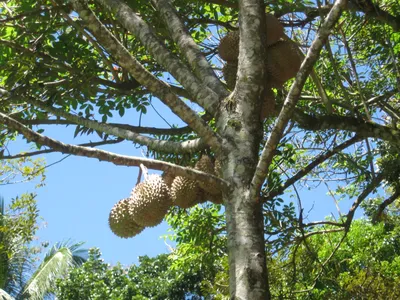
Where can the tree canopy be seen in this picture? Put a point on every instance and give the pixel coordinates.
(88, 63)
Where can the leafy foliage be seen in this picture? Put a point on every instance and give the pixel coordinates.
(151, 279)
(52, 60)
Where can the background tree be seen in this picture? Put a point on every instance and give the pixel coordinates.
(78, 63)
(20, 278)
(152, 278)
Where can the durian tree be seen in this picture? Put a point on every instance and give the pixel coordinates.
(286, 93)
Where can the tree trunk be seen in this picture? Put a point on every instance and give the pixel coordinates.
(248, 278)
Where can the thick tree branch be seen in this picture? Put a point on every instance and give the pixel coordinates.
(136, 129)
(361, 127)
(152, 143)
(139, 72)
(316, 162)
(251, 72)
(121, 160)
(188, 47)
(293, 96)
(34, 153)
(203, 95)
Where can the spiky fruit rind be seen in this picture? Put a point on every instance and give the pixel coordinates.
(283, 61)
(229, 70)
(149, 201)
(228, 48)
(216, 199)
(274, 30)
(185, 192)
(206, 165)
(268, 106)
(168, 178)
(121, 222)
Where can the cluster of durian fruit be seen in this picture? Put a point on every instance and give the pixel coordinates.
(151, 199)
(282, 60)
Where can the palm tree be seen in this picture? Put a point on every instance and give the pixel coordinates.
(17, 281)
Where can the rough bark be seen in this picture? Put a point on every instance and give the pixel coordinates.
(240, 126)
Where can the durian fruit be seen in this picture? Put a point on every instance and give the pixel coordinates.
(168, 178)
(206, 165)
(228, 48)
(274, 82)
(121, 222)
(229, 71)
(283, 61)
(274, 29)
(185, 192)
(268, 105)
(149, 201)
(216, 198)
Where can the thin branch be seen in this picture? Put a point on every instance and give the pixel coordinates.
(139, 72)
(355, 73)
(306, 170)
(385, 204)
(293, 96)
(91, 40)
(370, 187)
(34, 153)
(312, 12)
(33, 12)
(45, 57)
(101, 155)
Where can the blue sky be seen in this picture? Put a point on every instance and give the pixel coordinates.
(80, 192)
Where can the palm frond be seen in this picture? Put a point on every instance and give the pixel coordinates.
(14, 259)
(60, 258)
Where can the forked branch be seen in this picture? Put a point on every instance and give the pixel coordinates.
(144, 77)
(293, 96)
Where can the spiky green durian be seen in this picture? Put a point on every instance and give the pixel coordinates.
(268, 105)
(283, 61)
(206, 165)
(274, 29)
(121, 222)
(185, 192)
(228, 48)
(149, 201)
